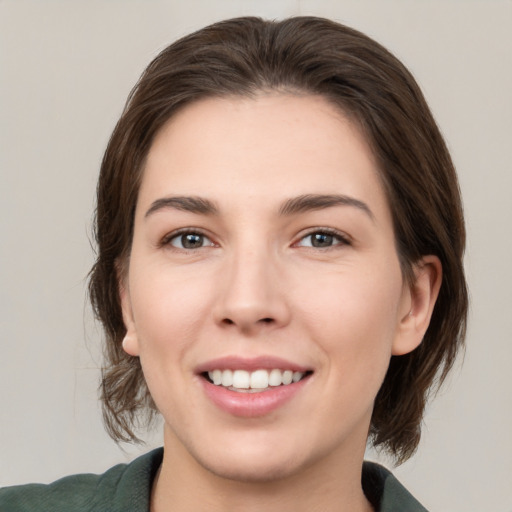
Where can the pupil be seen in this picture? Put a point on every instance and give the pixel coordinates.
(322, 240)
(191, 241)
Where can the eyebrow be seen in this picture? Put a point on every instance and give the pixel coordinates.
(310, 202)
(299, 204)
(185, 203)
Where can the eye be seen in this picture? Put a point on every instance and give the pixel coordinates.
(322, 239)
(189, 240)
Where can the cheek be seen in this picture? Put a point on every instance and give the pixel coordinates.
(353, 315)
(169, 307)
(169, 312)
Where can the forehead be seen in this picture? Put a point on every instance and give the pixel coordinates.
(269, 146)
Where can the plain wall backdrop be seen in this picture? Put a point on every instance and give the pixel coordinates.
(66, 68)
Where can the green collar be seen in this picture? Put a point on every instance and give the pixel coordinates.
(128, 487)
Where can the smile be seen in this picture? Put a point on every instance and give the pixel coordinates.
(252, 387)
(259, 380)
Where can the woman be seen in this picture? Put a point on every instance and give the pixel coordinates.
(279, 274)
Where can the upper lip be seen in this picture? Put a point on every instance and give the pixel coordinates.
(250, 364)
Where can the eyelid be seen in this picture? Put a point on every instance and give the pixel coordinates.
(166, 240)
(343, 238)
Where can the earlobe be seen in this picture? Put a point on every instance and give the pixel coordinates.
(130, 341)
(131, 344)
(422, 294)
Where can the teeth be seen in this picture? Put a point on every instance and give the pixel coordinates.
(259, 379)
(275, 378)
(287, 377)
(216, 376)
(227, 378)
(241, 379)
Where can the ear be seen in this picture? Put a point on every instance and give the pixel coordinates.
(130, 341)
(417, 305)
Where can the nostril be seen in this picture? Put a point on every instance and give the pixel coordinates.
(245, 323)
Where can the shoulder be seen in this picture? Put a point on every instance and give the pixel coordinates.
(385, 492)
(123, 487)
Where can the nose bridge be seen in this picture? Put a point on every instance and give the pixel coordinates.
(252, 292)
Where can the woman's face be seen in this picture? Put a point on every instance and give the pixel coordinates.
(263, 246)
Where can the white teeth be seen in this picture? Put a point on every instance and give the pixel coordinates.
(287, 377)
(275, 378)
(241, 379)
(227, 378)
(259, 379)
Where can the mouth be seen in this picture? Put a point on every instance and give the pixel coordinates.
(261, 380)
(251, 387)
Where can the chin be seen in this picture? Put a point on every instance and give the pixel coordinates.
(257, 457)
(245, 470)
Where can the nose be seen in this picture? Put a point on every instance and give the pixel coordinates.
(252, 294)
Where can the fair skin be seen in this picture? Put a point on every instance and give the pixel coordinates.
(265, 270)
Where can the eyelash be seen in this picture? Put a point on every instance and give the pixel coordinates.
(167, 240)
(336, 235)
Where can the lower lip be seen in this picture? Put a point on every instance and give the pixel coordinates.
(251, 405)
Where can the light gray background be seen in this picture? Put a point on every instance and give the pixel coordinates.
(65, 70)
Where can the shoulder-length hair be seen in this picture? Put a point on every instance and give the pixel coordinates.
(241, 57)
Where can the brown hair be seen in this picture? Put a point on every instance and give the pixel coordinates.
(314, 56)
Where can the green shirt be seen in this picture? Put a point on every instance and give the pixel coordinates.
(127, 488)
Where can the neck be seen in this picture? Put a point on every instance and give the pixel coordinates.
(332, 484)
